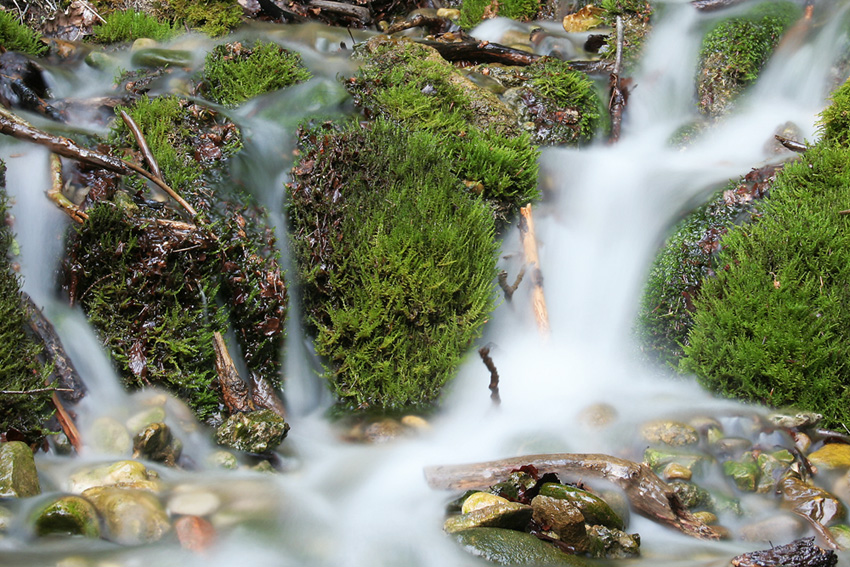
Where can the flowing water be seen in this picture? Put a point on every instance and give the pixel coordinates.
(606, 211)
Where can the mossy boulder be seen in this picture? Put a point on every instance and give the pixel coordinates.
(234, 73)
(736, 49)
(252, 432)
(18, 475)
(594, 509)
(769, 326)
(397, 260)
(411, 85)
(67, 515)
(510, 547)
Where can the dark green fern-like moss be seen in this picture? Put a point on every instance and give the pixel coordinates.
(735, 50)
(234, 73)
(21, 370)
(412, 85)
(14, 36)
(396, 260)
(123, 26)
(772, 325)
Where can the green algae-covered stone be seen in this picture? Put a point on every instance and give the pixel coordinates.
(68, 515)
(612, 544)
(18, 475)
(744, 472)
(594, 509)
(509, 547)
(672, 433)
(252, 432)
(508, 515)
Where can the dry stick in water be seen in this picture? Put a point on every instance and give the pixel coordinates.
(529, 245)
(143, 144)
(17, 128)
(649, 495)
(484, 353)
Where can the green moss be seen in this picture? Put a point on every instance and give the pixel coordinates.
(636, 16)
(234, 74)
(20, 367)
(122, 26)
(412, 85)
(472, 12)
(396, 260)
(735, 50)
(771, 326)
(213, 17)
(14, 36)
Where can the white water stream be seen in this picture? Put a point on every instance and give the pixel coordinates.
(354, 505)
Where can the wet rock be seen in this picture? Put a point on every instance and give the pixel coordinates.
(109, 436)
(703, 424)
(18, 475)
(594, 509)
(383, 431)
(831, 456)
(772, 467)
(811, 501)
(416, 423)
(130, 516)
(780, 527)
(67, 515)
(612, 544)
(509, 547)
(156, 443)
(252, 432)
(478, 500)
(797, 420)
(194, 533)
(802, 442)
(744, 472)
(144, 418)
(517, 484)
(223, 460)
(563, 518)
(6, 517)
(706, 517)
(691, 495)
(158, 57)
(672, 433)
(511, 515)
(841, 534)
(130, 474)
(597, 416)
(188, 501)
(658, 459)
(800, 553)
(675, 471)
(731, 447)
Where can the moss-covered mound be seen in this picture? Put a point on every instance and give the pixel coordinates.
(735, 50)
(128, 25)
(772, 325)
(157, 288)
(473, 12)
(22, 415)
(410, 84)
(234, 73)
(396, 258)
(15, 36)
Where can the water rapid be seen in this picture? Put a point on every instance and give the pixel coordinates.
(606, 210)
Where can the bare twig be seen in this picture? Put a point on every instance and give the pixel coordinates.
(67, 424)
(234, 390)
(792, 145)
(143, 144)
(484, 353)
(510, 289)
(34, 391)
(618, 97)
(434, 24)
(529, 245)
(847, 212)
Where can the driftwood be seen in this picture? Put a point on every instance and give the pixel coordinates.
(708, 5)
(484, 353)
(602, 67)
(529, 245)
(648, 494)
(799, 553)
(792, 145)
(434, 24)
(265, 396)
(482, 52)
(234, 390)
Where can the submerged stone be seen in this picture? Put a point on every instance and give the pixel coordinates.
(612, 543)
(18, 475)
(811, 501)
(253, 432)
(110, 436)
(744, 472)
(478, 500)
(831, 456)
(156, 443)
(122, 473)
(68, 515)
(130, 516)
(672, 433)
(563, 518)
(691, 495)
(508, 515)
(593, 508)
(509, 547)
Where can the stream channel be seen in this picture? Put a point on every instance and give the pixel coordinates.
(607, 210)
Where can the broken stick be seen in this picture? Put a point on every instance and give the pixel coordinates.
(649, 495)
(617, 102)
(234, 390)
(529, 245)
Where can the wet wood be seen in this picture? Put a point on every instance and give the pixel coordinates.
(143, 144)
(265, 396)
(600, 68)
(234, 390)
(484, 353)
(617, 101)
(799, 553)
(56, 195)
(360, 13)
(792, 145)
(509, 290)
(648, 494)
(482, 52)
(67, 423)
(529, 246)
(432, 24)
(708, 5)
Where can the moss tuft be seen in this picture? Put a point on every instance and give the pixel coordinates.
(412, 85)
(123, 26)
(735, 50)
(473, 12)
(14, 36)
(213, 17)
(234, 74)
(396, 260)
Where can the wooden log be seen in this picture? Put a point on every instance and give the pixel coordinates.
(481, 52)
(529, 246)
(648, 494)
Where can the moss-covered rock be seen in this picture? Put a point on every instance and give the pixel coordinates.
(252, 432)
(510, 547)
(234, 73)
(130, 516)
(770, 326)
(18, 475)
(14, 36)
(67, 515)
(410, 84)
(396, 259)
(735, 50)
